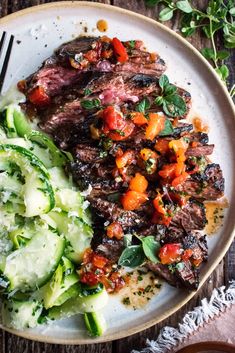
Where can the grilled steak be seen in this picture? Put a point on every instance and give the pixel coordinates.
(191, 217)
(208, 185)
(205, 150)
(110, 248)
(113, 213)
(85, 54)
(187, 275)
(164, 272)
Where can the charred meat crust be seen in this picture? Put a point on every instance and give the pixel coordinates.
(208, 185)
(113, 213)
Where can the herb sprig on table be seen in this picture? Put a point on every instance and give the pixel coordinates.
(218, 16)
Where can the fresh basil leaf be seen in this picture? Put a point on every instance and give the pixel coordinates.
(150, 247)
(208, 53)
(174, 105)
(163, 82)
(166, 14)
(127, 239)
(184, 6)
(91, 104)
(143, 105)
(133, 256)
(168, 129)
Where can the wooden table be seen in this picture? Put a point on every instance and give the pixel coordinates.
(223, 273)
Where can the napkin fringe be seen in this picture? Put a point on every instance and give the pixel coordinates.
(169, 337)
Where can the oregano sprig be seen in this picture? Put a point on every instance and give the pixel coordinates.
(218, 16)
(173, 105)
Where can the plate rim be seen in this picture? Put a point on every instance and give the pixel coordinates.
(141, 327)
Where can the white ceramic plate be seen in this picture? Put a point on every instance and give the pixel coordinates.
(41, 29)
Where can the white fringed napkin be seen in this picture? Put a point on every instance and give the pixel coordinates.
(214, 320)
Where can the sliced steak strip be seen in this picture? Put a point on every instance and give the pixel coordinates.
(110, 248)
(187, 275)
(191, 217)
(113, 213)
(205, 150)
(206, 186)
(164, 272)
(198, 243)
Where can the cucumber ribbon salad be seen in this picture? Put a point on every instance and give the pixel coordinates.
(45, 229)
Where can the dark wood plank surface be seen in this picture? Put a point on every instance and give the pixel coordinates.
(223, 273)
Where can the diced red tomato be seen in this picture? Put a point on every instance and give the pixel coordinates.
(90, 278)
(38, 96)
(168, 171)
(115, 125)
(127, 158)
(180, 179)
(132, 200)
(159, 218)
(170, 253)
(138, 183)
(156, 124)
(124, 133)
(113, 119)
(114, 230)
(162, 146)
(119, 51)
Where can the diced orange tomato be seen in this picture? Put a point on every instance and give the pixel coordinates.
(196, 262)
(153, 56)
(87, 256)
(179, 144)
(170, 253)
(194, 144)
(119, 50)
(138, 183)
(159, 205)
(38, 96)
(187, 254)
(168, 171)
(156, 124)
(114, 230)
(132, 200)
(180, 179)
(99, 261)
(179, 168)
(127, 158)
(147, 153)
(138, 118)
(162, 146)
(105, 39)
